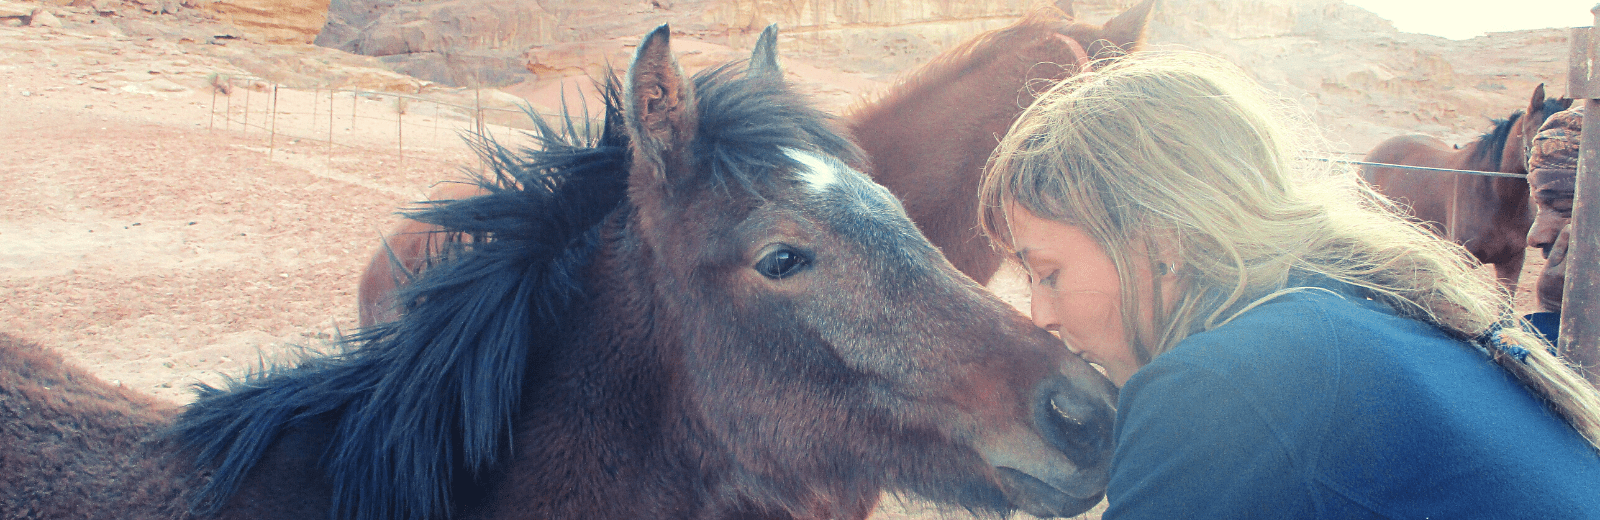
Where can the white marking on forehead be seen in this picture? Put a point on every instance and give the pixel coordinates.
(817, 172)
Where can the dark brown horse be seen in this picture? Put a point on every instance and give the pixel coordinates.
(1487, 215)
(926, 139)
(697, 311)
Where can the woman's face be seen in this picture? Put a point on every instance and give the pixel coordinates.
(1076, 292)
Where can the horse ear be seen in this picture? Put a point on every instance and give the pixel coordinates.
(1537, 102)
(658, 106)
(764, 59)
(1126, 31)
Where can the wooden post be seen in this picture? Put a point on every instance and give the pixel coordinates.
(1580, 305)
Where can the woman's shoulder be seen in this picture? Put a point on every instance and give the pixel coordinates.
(1365, 402)
(1307, 331)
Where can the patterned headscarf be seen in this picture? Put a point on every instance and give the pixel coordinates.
(1553, 157)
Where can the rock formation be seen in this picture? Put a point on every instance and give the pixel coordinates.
(274, 21)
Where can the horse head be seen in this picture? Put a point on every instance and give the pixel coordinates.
(823, 344)
(1526, 127)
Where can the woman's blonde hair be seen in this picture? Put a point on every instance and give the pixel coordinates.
(1180, 154)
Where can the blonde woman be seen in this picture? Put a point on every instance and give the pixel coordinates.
(1287, 345)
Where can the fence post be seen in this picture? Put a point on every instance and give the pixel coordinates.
(316, 102)
(399, 126)
(246, 122)
(1580, 307)
(329, 153)
(211, 121)
(272, 132)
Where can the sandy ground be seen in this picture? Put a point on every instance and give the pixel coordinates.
(154, 239)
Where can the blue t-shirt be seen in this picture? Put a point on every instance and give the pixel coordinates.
(1321, 406)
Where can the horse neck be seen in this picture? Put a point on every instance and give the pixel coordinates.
(602, 433)
(1483, 203)
(72, 441)
(949, 115)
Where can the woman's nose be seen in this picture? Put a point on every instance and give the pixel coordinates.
(1043, 312)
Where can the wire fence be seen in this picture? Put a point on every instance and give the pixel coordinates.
(355, 118)
(365, 119)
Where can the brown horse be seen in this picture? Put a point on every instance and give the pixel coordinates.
(929, 136)
(1487, 215)
(683, 315)
(926, 139)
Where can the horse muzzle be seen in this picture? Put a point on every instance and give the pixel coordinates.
(1060, 466)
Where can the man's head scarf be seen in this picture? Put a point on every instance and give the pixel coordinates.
(1553, 157)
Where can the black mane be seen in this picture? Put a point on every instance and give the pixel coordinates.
(425, 405)
(1491, 146)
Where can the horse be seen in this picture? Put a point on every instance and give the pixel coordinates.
(695, 310)
(930, 135)
(1489, 216)
(927, 139)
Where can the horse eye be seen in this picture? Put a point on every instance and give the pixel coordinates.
(782, 263)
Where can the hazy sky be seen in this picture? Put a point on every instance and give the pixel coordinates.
(1463, 19)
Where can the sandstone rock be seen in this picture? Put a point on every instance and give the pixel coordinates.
(100, 7)
(43, 18)
(159, 87)
(274, 21)
(15, 10)
(558, 34)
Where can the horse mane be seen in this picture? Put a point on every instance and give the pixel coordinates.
(431, 397)
(425, 405)
(964, 58)
(1489, 148)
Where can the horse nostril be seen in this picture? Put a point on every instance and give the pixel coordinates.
(1069, 416)
(1078, 425)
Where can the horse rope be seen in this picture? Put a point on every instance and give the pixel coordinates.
(1425, 168)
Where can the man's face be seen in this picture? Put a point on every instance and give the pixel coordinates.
(1554, 277)
(1549, 234)
(1554, 210)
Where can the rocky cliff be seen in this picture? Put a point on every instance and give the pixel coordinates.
(1360, 77)
(497, 42)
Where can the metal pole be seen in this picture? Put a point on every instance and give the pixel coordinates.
(211, 122)
(330, 126)
(316, 101)
(1580, 307)
(247, 107)
(272, 133)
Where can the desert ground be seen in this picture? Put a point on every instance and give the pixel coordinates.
(155, 236)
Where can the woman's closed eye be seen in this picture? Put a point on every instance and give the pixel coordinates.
(1048, 281)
